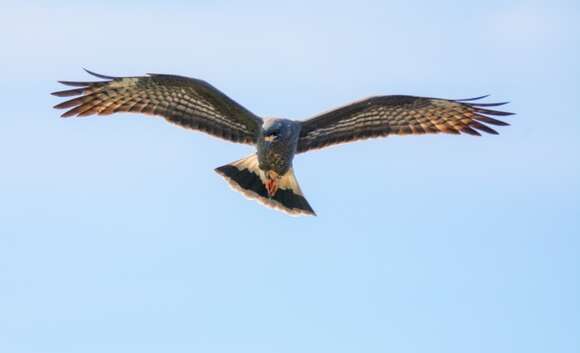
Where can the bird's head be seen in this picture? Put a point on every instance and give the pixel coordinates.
(272, 129)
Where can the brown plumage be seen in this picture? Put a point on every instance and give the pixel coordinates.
(268, 176)
(187, 102)
(398, 115)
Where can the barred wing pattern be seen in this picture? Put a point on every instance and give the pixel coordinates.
(400, 115)
(187, 102)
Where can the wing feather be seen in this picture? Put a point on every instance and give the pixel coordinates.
(399, 115)
(187, 102)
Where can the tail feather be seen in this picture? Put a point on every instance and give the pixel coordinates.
(246, 177)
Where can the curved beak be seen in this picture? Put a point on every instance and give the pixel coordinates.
(270, 138)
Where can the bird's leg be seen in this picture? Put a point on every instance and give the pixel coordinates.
(271, 183)
(272, 187)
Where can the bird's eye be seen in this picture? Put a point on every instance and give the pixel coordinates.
(273, 133)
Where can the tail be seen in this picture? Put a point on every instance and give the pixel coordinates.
(246, 177)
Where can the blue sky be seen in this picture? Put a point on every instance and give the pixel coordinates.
(117, 236)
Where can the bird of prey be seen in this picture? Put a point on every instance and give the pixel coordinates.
(267, 176)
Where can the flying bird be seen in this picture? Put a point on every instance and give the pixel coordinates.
(267, 176)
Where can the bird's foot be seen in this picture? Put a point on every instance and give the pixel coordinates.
(271, 187)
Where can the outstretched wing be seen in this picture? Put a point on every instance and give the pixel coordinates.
(188, 102)
(400, 115)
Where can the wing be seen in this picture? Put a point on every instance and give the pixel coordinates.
(400, 115)
(187, 102)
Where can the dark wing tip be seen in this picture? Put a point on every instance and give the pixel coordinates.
(492, 112)
(481, 116)
(481, 108)
(489, 120)
(75, 103)
(488, 104)
(482, 127)
(470, 131)
(471, 99)
(99, 75)
(68, 114)
(59, 106)
(68, 93)
(75, 83)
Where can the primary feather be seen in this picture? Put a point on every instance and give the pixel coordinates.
(399, 115)
(187, 102)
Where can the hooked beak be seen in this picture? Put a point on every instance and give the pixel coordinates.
(270, 138)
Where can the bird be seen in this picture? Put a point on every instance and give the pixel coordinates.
(268, 175)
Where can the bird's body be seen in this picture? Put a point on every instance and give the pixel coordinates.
(267, 175)
(277, 143)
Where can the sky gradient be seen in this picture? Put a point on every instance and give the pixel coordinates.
(116, 235)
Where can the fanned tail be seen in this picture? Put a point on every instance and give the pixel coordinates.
(246, 177)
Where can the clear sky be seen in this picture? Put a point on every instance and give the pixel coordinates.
(116, 235)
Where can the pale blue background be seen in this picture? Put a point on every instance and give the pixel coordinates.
(117, 236)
